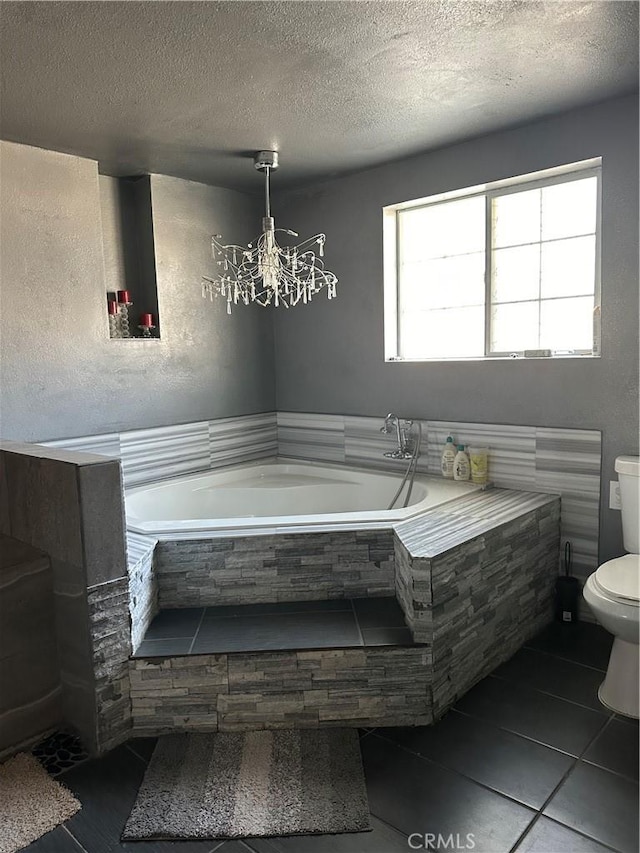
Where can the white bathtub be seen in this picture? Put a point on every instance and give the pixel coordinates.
(278, 497)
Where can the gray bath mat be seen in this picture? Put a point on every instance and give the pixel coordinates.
(251, 784)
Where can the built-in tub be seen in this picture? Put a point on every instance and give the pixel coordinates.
(279, 497)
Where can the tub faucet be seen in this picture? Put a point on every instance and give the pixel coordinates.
(404, 449)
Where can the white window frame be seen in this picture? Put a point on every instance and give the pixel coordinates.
(391, 260)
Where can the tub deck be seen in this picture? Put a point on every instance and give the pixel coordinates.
(283, 626)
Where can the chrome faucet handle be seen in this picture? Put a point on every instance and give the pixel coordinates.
(405, 435)
(388, 421)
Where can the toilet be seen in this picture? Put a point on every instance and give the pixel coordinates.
(613, 593)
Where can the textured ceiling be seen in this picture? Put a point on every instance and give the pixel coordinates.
(186, 89)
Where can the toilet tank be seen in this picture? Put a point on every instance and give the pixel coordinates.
(628, 469)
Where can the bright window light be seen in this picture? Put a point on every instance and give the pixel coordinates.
(509, 269)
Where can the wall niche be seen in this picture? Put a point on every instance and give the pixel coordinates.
(131, 300)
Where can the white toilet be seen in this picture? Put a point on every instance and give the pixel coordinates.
(613, 593)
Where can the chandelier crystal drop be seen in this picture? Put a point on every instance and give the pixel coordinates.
(265, 272)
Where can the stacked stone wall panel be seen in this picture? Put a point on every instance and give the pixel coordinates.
(288, 567)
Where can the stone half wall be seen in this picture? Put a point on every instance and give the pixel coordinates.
(286, 567)
(305, 689)
(110, 632)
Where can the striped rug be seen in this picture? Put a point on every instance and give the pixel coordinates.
(251, 784)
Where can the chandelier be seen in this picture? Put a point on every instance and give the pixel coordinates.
(265, 272)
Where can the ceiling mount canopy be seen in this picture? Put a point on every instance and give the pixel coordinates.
(263, 271)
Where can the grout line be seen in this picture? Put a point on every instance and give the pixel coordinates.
(602, 710)
(204, 610)
(278, 612)
(163, 639)
(567, 660)
(391, 826)
(582, 834)
(68, 831)
(137, 754)
(593, 763)
(565, 777)
(244, 843)
(455, 772)
(357, 621)
(514, 732)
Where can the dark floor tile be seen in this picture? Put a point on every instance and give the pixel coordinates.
(601, 804)
(175, 623)
(232, 611)
(526, 771)
(543, 718)
(283, 631)
(143, 747)
(616, 748)
(163, 648)
(56, 841)
(379, 613)
(387, 637)
(582, 642)
(416, 796)
(564, 678)
(382, 839)
(107, 788)
(547, 836)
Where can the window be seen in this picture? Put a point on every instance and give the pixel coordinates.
(509, 269)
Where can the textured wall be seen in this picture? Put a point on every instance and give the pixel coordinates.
(329, 356)
(61, 375)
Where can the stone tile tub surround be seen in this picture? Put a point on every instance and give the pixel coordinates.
(285, 567)
(143, 584)
(475, 581)
(305, 689)
(69, 505)
(99, 625)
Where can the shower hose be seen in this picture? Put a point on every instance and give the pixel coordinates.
(410, 473)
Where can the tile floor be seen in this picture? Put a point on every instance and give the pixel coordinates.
(297, 625)
(527, 761)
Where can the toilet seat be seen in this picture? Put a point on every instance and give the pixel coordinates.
(619, 579)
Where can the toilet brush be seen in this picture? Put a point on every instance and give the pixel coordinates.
(567, 591)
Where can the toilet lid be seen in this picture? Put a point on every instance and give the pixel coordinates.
(620, 578)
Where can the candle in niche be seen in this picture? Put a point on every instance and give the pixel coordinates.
(146, 325)
(114, 319)
(124, 300)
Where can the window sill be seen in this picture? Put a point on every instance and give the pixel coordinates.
(567, 357)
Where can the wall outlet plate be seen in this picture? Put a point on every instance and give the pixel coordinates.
(614, 495)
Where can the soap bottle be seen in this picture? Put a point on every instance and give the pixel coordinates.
(448, 456)
(461, 465)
